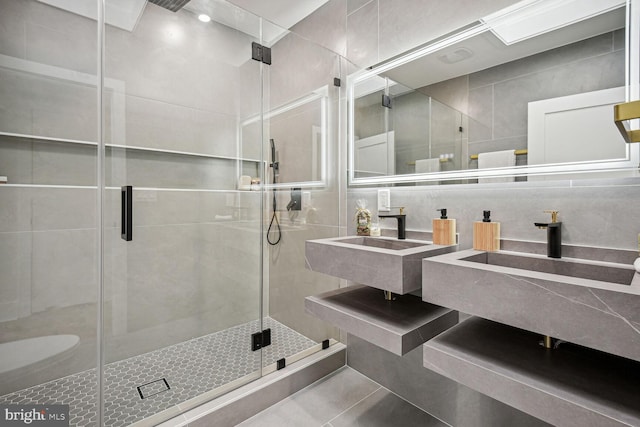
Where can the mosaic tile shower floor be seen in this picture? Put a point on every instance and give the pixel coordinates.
(190, 368)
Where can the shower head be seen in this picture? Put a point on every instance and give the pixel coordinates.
(172, 5)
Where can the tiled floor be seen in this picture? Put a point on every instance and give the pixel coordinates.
(344, 398)
(190, 368)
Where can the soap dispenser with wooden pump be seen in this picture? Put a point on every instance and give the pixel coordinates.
(486, 234)
(444, 229)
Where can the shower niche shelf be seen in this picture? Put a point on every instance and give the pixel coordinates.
(398, 326)
(46, 139)
(568, 386)
(43, 162)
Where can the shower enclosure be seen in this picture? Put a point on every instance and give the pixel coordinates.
(134, 269)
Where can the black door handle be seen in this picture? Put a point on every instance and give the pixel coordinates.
(126, 230)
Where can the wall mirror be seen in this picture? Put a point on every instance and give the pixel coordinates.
(524, 94)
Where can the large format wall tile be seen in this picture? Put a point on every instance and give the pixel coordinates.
(62, 208)
(585, 210)
(31, 161)
(151, 169)
(290, 282)
(326, 26)
(173, 273)
(563, 55)
(72, 47)
(59, 163)
(15, 209)
(34, 105)
(16, 160)
(151, 61)
(10, 26)
(512, 96)
(363, 35)
(354, 5)
(156, 124)
(64, 269)
(15, 280)
(299, 68)
(480, 110)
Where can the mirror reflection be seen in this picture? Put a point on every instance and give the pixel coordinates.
(298, 138)
(527, 91)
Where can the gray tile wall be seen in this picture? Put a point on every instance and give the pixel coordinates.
(594, 211)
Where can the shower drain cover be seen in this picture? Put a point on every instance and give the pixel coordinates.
(152, 388)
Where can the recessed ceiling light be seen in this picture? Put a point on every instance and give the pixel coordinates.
(204, 18)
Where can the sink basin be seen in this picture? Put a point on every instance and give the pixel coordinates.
(582, 269)
(380, 262)
(383, 243)
(585, 301)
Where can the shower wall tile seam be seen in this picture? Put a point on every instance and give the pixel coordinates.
(360, 7)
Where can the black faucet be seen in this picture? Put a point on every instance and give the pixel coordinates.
(402, 223)
(554, 235)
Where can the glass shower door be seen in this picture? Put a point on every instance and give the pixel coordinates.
(301, 125)
(48, 233)
(182, 242)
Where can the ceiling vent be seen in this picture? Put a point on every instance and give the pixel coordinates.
(460, 54)
(172, 5)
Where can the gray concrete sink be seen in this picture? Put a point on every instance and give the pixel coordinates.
(383, 243)
(380, 262)
(584, 301)
(581, 269)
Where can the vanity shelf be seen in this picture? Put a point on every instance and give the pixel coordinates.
(568, 386)
(398, 326)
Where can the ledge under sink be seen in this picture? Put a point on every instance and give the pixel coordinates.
(569, 386)
(583, 301)
(398, 326)
(380, 262)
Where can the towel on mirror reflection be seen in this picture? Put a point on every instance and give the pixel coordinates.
(497, 159)
(428, 165)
